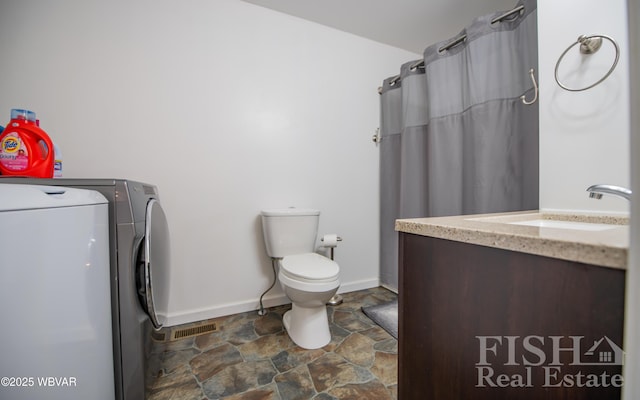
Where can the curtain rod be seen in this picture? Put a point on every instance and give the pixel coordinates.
(451, 44)
(462, 38)
(507, 14)
(420, 64)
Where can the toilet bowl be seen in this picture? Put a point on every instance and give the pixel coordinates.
(308, 279)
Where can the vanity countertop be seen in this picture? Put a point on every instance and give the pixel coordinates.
(591, 239)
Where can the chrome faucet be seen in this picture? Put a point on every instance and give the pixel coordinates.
(596, 191)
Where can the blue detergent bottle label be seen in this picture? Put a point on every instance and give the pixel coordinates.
(57, 162)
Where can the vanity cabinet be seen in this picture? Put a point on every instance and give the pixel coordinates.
(478, 322)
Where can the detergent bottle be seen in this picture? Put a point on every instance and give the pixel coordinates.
(25, 149)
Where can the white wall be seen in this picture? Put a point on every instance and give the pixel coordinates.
(584, 136)
(227, 107)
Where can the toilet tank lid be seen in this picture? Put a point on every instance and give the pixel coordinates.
(289, 212)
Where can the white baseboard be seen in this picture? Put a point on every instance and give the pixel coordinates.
(359, 285)
(202, 314)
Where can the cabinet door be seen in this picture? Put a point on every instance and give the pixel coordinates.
(484, 323)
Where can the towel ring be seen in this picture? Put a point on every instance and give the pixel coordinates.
(589, 45)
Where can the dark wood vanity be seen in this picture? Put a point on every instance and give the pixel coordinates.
(478, 322)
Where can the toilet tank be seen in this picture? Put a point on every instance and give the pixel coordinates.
(288, 231)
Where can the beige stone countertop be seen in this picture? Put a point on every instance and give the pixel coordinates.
(587, 238)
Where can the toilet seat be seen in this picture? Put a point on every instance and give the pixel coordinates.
(309, 268)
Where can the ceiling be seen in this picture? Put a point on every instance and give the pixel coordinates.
(408, 24)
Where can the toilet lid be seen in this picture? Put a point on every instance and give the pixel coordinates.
(310, 266)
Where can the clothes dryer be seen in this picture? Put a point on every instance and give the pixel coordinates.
(139, 249)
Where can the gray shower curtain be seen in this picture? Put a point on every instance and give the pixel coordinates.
(455, 136)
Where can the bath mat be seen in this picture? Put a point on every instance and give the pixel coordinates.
(385, 315)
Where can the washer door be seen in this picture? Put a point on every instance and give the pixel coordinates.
(156, 264)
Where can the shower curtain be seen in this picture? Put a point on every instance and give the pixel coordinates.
(455, 135)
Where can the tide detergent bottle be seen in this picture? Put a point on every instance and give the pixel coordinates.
(25, 149)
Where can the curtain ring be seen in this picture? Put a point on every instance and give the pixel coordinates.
(535, 90)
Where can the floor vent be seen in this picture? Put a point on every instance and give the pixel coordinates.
(181, 333)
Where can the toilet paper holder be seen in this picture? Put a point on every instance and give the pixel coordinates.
(332, 244)
(332, 241)
(338, 238)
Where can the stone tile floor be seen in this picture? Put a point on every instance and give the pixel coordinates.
(251, 357)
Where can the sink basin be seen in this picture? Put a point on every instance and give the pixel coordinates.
(556, 221)
(579, 226)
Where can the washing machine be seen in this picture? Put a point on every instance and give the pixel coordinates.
(139, 249)
(56, 332)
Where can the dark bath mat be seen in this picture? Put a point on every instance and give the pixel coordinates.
(385, 315)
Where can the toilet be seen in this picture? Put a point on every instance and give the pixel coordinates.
(308, 279)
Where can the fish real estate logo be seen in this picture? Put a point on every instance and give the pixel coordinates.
(548, 362)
